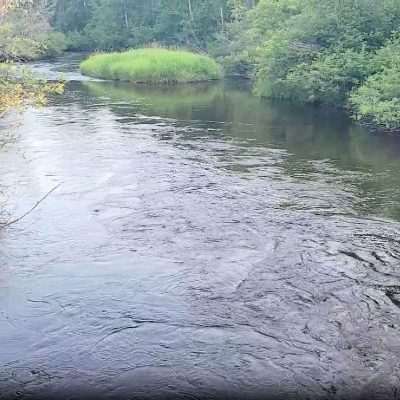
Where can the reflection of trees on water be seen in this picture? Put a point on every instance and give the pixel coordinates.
(178, 102)
(351, 156)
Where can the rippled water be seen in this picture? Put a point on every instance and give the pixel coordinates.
(203, 244)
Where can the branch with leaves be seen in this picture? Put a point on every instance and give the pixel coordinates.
(19, 88)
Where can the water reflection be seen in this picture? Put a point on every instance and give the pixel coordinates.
(320, 143)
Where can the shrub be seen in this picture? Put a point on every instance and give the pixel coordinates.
(28, 37)
(278, 57)
(378, 100)
(53, 44)
(331, 52)
(77, 41)
(328, 78)
(18, 88)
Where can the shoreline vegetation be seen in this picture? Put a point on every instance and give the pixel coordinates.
(152, 66)
(340, 53)
(18, 88)
(25, 35)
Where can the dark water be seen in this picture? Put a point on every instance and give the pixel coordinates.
(203, 244)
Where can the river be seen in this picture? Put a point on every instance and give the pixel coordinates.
(203, 243)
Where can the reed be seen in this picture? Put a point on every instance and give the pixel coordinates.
(152, 65)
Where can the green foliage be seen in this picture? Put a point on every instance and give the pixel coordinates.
(77, 41)
(52, 43)
(120, 24)
(327, 77)
(152, 66)
(71, 15)
(378, 99)
(322, 51)
(336, 52)
(234, 46)
(25, 34)
(239, 45)
(18, 88)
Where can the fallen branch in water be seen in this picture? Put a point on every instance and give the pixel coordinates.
(36, 205)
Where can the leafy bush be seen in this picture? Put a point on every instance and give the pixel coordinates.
(327, 78)
(378, 99)
(279, 57)
(240, 45)
(28, 36)
(18, 88)
(78, 41)
(53, 44)
(152, 66)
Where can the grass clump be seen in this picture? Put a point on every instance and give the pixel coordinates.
(152, 66)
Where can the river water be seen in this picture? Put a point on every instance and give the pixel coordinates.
(202, 243)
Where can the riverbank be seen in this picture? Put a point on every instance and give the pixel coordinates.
(340, 54)
(75, 59)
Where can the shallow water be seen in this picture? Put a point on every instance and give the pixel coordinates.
(203, 244)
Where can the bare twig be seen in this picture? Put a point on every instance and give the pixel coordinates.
(37, 204)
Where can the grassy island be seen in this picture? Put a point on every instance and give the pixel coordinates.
(152, 66)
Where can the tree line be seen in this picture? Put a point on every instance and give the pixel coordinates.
(115, 24)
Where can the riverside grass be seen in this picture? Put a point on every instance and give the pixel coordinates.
(155, 66)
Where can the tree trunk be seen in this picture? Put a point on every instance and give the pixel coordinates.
(126, 18)
(190, 10)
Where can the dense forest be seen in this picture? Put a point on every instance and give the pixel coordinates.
(343, 53)
(106, 25)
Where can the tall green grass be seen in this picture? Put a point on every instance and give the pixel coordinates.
(152, 66)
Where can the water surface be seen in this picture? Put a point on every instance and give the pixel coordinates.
(203, 243)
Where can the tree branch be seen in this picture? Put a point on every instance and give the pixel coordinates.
(36, 205)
